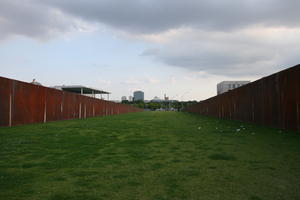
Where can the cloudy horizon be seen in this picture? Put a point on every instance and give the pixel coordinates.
(181, 48)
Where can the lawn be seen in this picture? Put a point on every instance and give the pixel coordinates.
(149, 155)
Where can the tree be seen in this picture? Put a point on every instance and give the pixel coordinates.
(125, 102)
(153, 105)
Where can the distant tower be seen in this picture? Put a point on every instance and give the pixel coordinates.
(138, 96)
(166, 98)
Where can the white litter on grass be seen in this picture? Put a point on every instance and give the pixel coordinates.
(238, 130)
(199, 127)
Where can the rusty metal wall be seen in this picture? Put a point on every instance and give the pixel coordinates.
(272, 101)
(25, 103)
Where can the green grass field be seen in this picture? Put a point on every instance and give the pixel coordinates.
(149, 155)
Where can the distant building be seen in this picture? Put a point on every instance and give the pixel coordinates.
(166, 98)
(138, 96)
(79, 89)
(229, 85)
(124, 98)
(157, 99)
(130, 98)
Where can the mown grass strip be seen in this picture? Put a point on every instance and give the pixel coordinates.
(149, 155)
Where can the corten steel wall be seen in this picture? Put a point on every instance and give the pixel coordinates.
(24, 103)
(272, 101)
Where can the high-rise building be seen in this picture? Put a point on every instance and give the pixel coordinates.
(229, 85)
(138, 96)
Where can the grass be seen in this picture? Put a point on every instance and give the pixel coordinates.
(149, 155)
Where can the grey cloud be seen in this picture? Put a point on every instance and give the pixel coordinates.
(150, 52)
(35, 18)
(152, 16)
(231, 54)
(219, 63)
(29, 19)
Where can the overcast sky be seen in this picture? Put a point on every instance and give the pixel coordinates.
(181, 48)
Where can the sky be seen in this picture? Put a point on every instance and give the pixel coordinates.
(174, 47)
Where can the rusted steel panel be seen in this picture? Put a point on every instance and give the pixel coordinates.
(256, 102)
(99, 109)
(298, 99)
(23, 103)
(289, 98)
(272, 101)
(5, 101)
(71, 106)
(54, 105)
(28, 103)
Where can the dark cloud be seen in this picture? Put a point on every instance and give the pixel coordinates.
(45, 17)
(30, 19)
(215, 42)
(151, 16)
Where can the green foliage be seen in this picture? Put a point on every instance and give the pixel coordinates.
(125, 102)
(153, 105)
(149, 155)
(164, 105)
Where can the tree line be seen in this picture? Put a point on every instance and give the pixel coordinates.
(164, 105)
